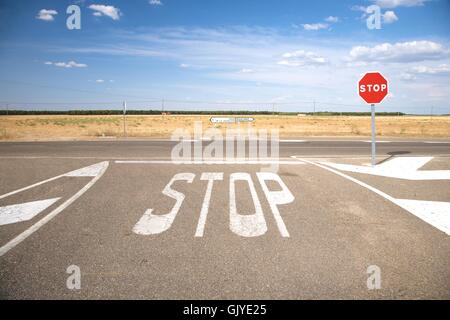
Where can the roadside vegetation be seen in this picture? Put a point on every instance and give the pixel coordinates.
(79, 127)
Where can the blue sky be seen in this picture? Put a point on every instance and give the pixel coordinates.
(286, 52)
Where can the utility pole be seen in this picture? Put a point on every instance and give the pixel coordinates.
(162, 105)
(314, 112)
(7, 109)
(124, 119)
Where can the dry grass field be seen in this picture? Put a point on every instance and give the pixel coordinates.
(91, 127)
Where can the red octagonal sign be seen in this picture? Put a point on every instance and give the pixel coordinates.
(373, 87)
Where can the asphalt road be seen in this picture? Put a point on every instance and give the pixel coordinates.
(139, 226)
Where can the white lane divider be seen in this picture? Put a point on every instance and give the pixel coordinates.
(437, 142)
(368, 141)
(434, 213)
(401, 168)
(211, 162)
(96, 171)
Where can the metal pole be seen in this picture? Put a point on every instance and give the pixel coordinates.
(124, 119)
(314, 112)
(374, 134)
(7, 109)
(162, 105)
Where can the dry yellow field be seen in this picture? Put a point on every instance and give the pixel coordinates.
(90, 127)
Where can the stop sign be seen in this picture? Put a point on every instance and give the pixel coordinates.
(373, 87)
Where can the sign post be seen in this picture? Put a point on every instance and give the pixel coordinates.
(374, 137)
(124, 119)
(373, 88)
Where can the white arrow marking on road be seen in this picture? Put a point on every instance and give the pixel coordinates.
(434, 213)
(90, 171)
(77, 173)
(400, 168)
(24, 211)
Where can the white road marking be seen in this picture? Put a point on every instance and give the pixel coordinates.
(90, 171)
(276, 198)
(400, 168)
(21, 237)
(380, 141)
(437, 142)
(151, 224)
(210, 177)
(253, 225)
(287, 140)
(434, 213)
(355, 157)
(30, 187)
(211, 162)
(209, 139)
(24, 211)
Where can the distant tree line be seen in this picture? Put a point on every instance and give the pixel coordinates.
(181, 112)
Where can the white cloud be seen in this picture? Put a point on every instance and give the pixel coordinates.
(390, 17)
(246, 70)
(100, 81)
(184, 65)
(301, 58)
(443, 68)
(218, 54)
(332, 19)
(408, 77)
(155, 2)
(103, 10)
(400, 52)
(359, 8)
(319, 25)
(399, 3)
(70, 64)
(315, 26)
(47, 15)
(415, 71)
